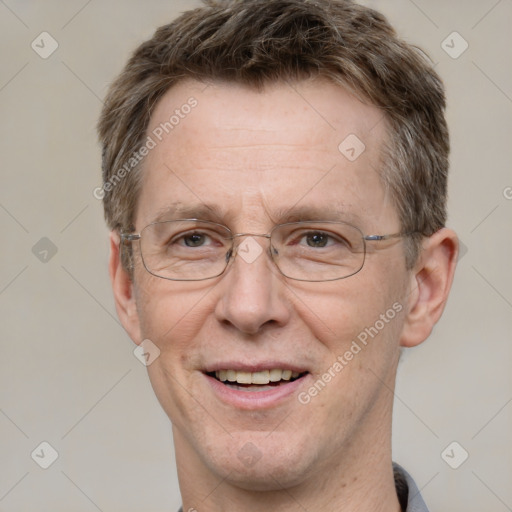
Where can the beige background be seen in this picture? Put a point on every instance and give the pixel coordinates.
(68, 373)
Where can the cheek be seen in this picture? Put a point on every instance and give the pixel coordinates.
(358, 333)
(344, 311)
(358, 327)
(172, 319)
(170, 312)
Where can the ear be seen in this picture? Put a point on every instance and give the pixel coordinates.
(431, 280)
(123, 288)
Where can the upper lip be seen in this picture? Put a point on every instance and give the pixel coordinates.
(254, 367)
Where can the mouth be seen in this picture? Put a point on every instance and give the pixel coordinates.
(264, 380)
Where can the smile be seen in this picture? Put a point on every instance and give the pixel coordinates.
(266, 387)
(255, 381)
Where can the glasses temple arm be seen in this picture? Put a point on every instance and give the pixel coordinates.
(378, 238)
(128, 237)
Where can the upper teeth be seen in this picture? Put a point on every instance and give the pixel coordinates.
(263, 377)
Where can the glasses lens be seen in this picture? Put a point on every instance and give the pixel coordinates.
(185, 250)
(322, 251)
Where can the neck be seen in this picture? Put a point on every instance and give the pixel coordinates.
(355, 478)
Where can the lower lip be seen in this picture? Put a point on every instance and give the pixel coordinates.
(254, 399)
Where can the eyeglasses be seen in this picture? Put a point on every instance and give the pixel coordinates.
(196, 250)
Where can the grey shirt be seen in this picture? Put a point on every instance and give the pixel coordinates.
(408, 494)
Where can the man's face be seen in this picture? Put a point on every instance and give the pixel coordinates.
(254, 158)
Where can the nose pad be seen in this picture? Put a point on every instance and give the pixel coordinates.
(251, 250)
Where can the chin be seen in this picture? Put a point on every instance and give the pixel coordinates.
(263, 465)
(265, 477)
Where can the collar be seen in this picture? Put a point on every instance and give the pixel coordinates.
(408, 493)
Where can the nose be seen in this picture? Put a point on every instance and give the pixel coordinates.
(252, 290)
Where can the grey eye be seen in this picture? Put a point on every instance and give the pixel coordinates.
(317, 239)
(194, 240)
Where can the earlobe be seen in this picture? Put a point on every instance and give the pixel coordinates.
(431, 280)
(123, 289)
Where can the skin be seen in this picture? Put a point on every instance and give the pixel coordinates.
(254, 155)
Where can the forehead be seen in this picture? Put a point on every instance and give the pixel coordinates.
(243, 149)
(316, 108)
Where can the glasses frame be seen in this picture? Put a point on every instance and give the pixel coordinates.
(231, 254)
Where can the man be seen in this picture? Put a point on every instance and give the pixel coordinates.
(275, 182)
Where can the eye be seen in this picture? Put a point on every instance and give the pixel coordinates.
(198, 239)
(317, 239)
(195, 239)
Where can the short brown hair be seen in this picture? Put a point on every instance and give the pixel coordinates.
(256, 42)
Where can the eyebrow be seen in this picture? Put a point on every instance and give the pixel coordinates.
(314, 212)
(282, 215)
(180, 210)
